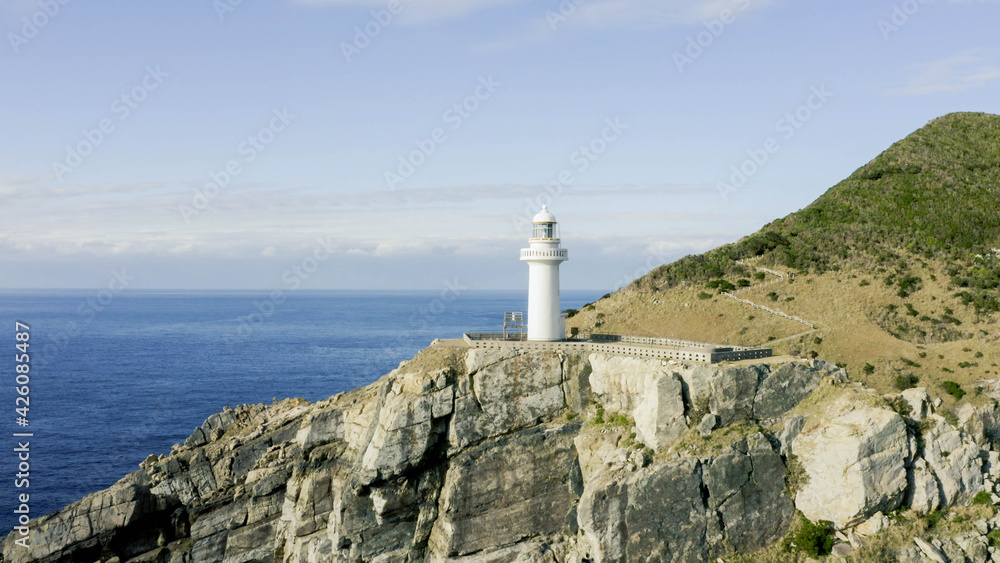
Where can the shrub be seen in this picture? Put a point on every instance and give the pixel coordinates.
(742, 283)
(934, 517)
(570, 313)
(759, 276)
(817, 341)
(795, 475)
(953, 389)
(950, 417)
(815, 540)
(704, 295)
(772, 296)
(721, 285)
(868, 369)
(906, 381)
(864, 283)
(982, 497)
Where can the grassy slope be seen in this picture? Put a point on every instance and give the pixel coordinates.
(922, 210)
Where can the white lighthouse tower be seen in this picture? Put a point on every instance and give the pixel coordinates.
(543, 255)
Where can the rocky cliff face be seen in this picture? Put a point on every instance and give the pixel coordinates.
(476, 456)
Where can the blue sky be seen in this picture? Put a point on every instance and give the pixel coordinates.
(399, 144)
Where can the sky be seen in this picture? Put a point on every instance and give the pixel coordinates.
(405, 144)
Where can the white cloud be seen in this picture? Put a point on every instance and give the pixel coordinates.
(962, 72)
(616, 14)
(420, 11)
(657, 13)
(585, 13)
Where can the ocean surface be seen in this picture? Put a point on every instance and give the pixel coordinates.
(115, 378)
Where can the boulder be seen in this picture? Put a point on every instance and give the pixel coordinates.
(856, 466)
(919, 401)
(733, 392)
(659, 417)
(789, 432)
(707, 424)
(782, 389)
(955, 461)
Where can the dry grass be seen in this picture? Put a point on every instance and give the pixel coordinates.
(844, 311)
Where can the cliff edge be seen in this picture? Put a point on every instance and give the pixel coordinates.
(488, 456)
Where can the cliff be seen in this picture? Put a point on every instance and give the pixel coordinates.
(476, 456)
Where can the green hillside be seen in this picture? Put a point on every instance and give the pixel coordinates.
(895, 273)
(933, 196)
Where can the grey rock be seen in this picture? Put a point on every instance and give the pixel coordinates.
(855, 460)
(929, 551)
(465, 455)
(498, 494)
(707, 424)
(782, 389)
(919, 401)
(733, 392)
(789, 432)
(842, 550)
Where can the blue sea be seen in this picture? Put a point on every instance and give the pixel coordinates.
(115, 378)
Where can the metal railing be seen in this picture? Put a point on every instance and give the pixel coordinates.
(509, 337)
(556, 253)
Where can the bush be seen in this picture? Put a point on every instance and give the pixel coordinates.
(982, 497)
(951, 418)
(743, 283)
(795, 475)
(934, 517)
(868, 369)
(953, 389)
(906, 381)
(772, 296)
(570, 313)
(721, 285)
(704, 295)
(815, 540)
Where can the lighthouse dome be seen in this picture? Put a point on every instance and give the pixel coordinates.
(544, 216)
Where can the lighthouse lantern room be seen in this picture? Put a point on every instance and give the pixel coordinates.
(543, 255)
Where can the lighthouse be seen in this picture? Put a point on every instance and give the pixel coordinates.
(543, 255)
